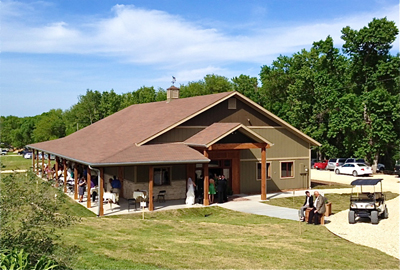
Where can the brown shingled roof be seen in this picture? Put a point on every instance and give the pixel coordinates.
(122, 130)
(217, 131)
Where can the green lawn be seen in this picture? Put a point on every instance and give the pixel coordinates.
(75, 209)
(211, 238)
(331, 186)
(340, 202)
(8, 162)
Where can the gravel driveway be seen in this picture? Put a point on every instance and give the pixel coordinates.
(383, 236)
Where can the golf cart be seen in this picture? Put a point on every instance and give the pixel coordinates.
(366, 202)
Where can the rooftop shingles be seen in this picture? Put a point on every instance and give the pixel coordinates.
(120, 131)
(211, 133)
(217, 131)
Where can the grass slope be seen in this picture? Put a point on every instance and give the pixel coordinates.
(15, 163)
(211, 238)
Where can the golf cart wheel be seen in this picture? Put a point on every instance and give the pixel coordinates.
(355, 174)
(352, 217)
(337, 171)
(386, 213)
(374, 217)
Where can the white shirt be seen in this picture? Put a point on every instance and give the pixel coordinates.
(316, 200)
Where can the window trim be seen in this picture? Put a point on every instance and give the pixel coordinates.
(268, 171)
(293, 169)
(169, 175)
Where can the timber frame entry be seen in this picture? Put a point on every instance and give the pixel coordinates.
(232, 151)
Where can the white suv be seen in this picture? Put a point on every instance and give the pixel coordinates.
(335, 162)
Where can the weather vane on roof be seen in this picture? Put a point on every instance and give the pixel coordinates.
(173, 80)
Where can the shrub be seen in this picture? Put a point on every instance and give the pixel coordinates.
(30, 215)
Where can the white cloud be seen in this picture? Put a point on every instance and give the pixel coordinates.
(158, 38)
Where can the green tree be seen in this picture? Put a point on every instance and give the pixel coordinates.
(51, 125)
(247, 86)
(211, 84)
(373, 73)
(110, 103)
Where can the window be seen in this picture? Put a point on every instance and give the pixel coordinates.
(259, 170)
(232, 104)
(162, 176)
(287, 169)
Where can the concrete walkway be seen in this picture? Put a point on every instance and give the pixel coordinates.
(253, 205)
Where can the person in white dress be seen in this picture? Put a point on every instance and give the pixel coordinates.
(190, 192)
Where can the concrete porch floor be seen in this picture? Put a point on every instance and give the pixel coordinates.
(122, 207)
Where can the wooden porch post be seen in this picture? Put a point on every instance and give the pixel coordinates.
(206, 180)
(56, 169)
(48, 166)
(75, 181)
(101, 189)
(65, 175)
(151, 183)
(121, 179)
(33, 161)
(42, 164)
(37, 162)
(89, 182)
(263, 174)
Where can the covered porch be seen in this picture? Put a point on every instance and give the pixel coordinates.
(158, 167)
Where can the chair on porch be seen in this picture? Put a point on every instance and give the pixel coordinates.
(131, 202)
(161, 195)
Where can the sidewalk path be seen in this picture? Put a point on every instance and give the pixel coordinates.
(13, 171)
(252, 205)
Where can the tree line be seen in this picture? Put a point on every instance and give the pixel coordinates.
(346, 98)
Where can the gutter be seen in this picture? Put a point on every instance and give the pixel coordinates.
(155, 162)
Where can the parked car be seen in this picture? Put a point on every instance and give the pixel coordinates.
(355, 160)
(320, 165)
(28, 155)
(354, 168)
(397, 169)
(313, 160)
(380, 167)
(4, 151)
(335, 162)
(367, 204)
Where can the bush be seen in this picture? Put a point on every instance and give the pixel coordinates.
(30, 215)
(19, 260)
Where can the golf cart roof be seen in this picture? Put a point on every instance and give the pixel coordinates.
(365, 182)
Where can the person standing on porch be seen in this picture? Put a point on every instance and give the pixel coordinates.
(81, 188)
(221, 187)
(190, 192)
(211, 191)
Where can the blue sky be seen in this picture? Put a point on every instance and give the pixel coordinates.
(52, 51)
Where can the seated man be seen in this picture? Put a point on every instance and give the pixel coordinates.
(115, 187)
(308, 203)
(318, 209)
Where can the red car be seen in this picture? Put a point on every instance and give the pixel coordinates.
(321, 165)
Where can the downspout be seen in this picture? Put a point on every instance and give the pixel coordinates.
(98, 182)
